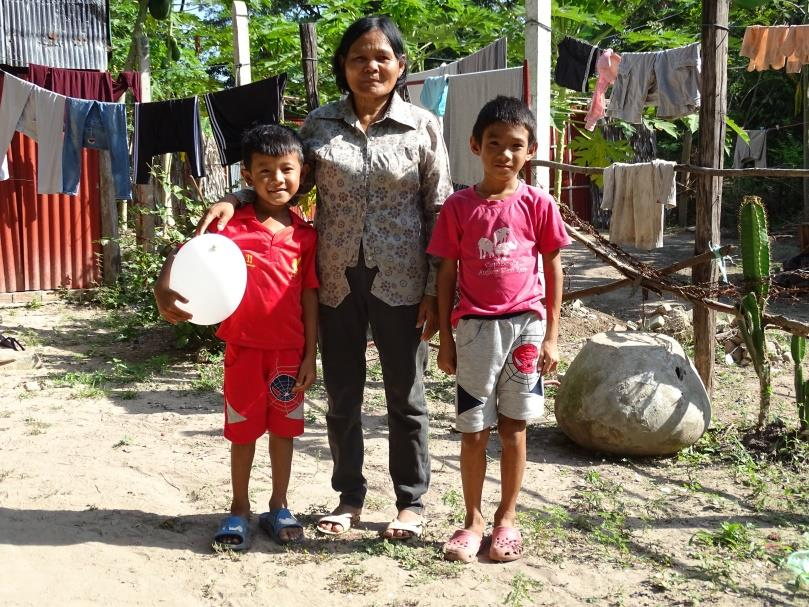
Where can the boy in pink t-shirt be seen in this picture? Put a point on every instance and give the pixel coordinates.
(490, 237)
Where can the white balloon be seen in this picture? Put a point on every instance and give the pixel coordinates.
(209, 271)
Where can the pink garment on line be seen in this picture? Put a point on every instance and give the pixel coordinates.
(607, 68)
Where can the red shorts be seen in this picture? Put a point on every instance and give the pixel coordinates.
(258, 393)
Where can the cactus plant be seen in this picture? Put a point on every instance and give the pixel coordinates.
(798, 347)
(755, 246)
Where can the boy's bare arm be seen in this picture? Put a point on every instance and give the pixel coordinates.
(445, 286)
(549, 352)
(308, 371)
(166, 298)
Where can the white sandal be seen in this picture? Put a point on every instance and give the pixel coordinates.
(346, 520)
(414, 529)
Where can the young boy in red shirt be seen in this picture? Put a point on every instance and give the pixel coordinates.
(489, 237)
(271, 337)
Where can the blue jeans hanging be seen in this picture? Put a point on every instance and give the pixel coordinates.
(101, 126)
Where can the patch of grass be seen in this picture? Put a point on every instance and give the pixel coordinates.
(27, 337)
(34, 304)
(735, 538)
(125, 441)
(211, 372)
(454, 500)
(375, 503)
(354, 580)
(373, 370)
(441, 388)
(542, 527)
(599, 511)
(124, 372)
(426, 562)
(35, 427)
(522, 587)
(83, 384)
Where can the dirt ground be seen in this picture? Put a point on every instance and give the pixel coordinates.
(114, 474)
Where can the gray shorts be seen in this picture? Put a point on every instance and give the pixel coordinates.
(668, 79)
(497, 370)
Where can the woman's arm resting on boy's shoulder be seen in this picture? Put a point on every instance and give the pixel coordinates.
(221, 210)
(307, 374)
(549, 352)
(166, 298)
(445, 285)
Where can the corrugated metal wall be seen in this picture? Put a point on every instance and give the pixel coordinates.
(59, 33)
(47, 242)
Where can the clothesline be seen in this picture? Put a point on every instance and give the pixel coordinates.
(683, 168)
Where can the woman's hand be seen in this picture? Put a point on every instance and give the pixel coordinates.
(222, 210)
(427, 317)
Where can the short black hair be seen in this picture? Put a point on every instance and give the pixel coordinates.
(270, 140)
(510, 110)
(359, 28)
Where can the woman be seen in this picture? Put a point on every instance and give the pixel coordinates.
(380, 167)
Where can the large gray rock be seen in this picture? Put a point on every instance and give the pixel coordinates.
(632, 393)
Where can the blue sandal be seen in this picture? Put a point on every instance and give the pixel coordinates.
(232, 527)
(275, 520)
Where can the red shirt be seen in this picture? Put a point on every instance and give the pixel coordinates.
(279, 267)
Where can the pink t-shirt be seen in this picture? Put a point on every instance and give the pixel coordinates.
(497, 243)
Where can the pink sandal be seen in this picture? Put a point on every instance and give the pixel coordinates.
(462, 546)
(506, 544)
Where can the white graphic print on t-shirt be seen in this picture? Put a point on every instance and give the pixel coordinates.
(498, 249)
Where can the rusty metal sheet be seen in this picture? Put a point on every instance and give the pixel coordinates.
(57, 33)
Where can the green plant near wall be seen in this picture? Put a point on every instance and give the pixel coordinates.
(755, 246)
(798, 347)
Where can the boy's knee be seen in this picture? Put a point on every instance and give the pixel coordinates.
(509, 428)
(475, 440)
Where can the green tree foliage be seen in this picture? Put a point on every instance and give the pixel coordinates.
(434, 30)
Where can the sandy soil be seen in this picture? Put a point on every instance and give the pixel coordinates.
(113, 476)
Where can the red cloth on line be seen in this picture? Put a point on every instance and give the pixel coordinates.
(84, 84)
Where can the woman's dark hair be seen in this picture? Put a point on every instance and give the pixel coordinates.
(359, 28)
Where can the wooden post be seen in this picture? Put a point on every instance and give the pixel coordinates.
(308, 33)
(110, 247)
(709, 188)
(241, 43)
(144, 194)
(684, 196)
(538, 54)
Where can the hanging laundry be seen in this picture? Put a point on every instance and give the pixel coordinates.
(234, 110)
(466, 95)
(755, 151)
(434, 94)
(40, 114)
(575, 63)
(491, 57)
(167, 126)
(607, 68)
(100, 126)
(84, 84)
(669, 79)
(638, 195)
(800, 49)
